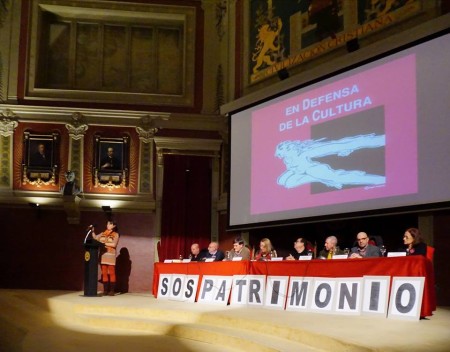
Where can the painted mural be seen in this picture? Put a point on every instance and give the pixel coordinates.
(288, 33)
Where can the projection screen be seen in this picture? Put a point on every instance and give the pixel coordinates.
(372, 138)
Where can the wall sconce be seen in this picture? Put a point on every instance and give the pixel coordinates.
(37, 207)
(108, 211)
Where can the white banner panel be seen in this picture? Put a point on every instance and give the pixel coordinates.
(248, 290)
(215, 289)
(276, 291)
(299, 293)
(239, 292)
(406, 297)
(376, 295)
(190, 288)
(349, 296)
(165, 281)
(176, 287)
(324, 292)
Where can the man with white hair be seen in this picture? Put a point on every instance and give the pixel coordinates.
(214, 252)
(330, 249)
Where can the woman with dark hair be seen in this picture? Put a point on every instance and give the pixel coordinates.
(414, 245)
(110, 238)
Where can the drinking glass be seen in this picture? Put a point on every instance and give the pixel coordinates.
(383, 250)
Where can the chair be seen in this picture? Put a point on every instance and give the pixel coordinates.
(430, 253)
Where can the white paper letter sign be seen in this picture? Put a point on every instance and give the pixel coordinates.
(165, 283)
(239, 293)
(276, 290)
(323, 294)
(376, 294)
(190, 288)
(349, 296)
(299, 293)
(406, 297)
(215, 289)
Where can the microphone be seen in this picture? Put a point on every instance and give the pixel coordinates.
(89, 231)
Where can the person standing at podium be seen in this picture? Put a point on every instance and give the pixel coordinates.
(110, 238)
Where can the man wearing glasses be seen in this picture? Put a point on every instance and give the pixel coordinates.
(364, 249)
(300, 249)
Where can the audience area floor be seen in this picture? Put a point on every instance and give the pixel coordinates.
(34, 320)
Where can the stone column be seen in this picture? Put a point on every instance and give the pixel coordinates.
(71, 202)
(158, 198)
(7, 125)
(77, 129)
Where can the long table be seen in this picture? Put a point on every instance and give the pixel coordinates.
(395, 266)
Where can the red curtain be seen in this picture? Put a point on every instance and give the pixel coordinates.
(186, 205)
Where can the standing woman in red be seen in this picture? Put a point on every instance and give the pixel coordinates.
(110, 238)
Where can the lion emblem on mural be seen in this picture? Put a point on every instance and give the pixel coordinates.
(265, 44)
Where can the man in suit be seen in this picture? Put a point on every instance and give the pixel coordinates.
(41, 157)
(110, 162)
(215, 252)
(363, 248)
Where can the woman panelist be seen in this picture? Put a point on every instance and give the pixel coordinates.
(412, 239)
(266, 251)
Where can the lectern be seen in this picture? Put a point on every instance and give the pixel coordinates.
(91, 247)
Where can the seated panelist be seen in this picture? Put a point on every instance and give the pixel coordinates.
(214, 252)
(196, 254)
(299, 249)
(364, 249)
(414, 245)
(239, 250)
(266, 251)
(331, 248)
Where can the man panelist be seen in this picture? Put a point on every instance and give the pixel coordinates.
(239, 250)
(331, 248)
(364, 249)
(299, 249)
(196, 255)
(214, 252)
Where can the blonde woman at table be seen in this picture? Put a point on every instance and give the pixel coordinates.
(266, 251)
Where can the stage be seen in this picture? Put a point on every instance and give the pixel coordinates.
(34, 320)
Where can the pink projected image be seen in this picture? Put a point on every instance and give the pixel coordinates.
(352, 140)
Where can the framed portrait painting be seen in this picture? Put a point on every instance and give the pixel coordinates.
(40, 158)
(111, 161)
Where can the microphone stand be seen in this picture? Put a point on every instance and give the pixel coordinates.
(89, 232)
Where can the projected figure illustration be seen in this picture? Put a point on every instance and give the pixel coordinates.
(302, 169)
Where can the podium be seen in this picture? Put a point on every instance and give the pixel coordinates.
(91, 247)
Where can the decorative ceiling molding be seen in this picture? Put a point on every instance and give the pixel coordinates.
(125, 118)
